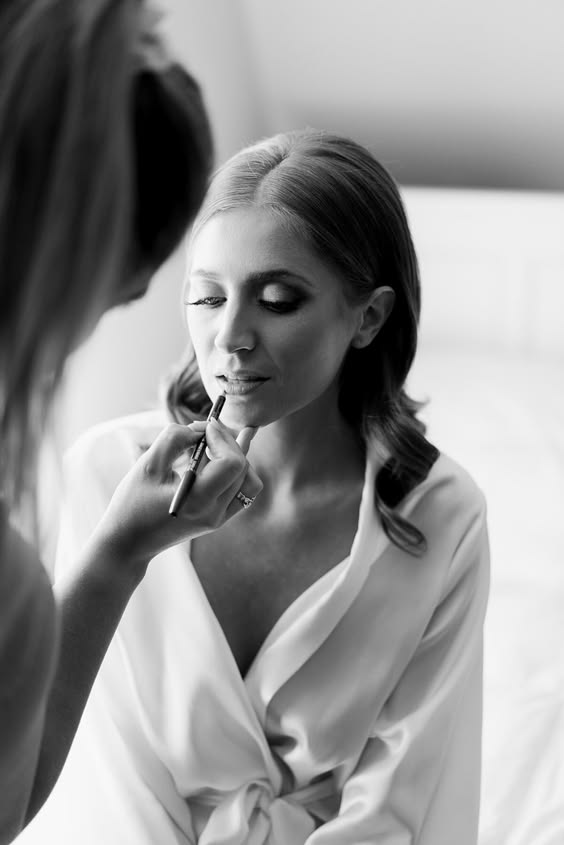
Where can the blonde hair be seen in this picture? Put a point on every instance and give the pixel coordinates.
(76, 134)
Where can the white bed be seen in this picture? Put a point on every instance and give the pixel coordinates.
(491, 361)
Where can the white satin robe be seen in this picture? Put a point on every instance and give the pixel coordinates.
(358, 722)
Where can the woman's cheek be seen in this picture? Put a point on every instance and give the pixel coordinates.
(201, 338)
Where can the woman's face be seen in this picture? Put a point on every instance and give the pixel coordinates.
(268, 318)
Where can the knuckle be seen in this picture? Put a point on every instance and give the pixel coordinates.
(148, 468)
(148, 465)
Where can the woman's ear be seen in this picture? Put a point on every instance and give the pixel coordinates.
(373, 316)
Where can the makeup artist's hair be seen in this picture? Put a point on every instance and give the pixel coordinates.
(332, 193)
(105, 153)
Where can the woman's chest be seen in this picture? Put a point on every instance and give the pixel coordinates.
(251, 578)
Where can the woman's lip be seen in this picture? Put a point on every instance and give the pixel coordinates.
(240, 386)
(242, 376)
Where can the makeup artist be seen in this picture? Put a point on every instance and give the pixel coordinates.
(105, 151)
(309, 673)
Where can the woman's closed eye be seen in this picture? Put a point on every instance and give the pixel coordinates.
(278, 305)
(211, 301)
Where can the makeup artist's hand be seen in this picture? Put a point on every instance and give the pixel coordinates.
(137, 526)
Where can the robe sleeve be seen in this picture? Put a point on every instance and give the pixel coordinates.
(417, 780)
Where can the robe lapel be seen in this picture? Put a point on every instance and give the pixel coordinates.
(309, 621)
(185, 679)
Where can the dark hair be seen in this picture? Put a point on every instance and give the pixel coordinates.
(172, 161)
(335, 195)
(104, 158)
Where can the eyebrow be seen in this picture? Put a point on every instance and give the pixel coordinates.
(278, 274)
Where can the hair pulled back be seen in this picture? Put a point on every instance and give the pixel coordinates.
(336, 196)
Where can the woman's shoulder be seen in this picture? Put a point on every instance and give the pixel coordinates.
(449, 489)
(447, 506)
(462, 490)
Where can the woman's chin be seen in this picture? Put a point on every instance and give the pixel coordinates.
(237, 418)
(236, 422)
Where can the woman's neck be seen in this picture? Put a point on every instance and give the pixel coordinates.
(305, 449)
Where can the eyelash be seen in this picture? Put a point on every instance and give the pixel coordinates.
(279, 307)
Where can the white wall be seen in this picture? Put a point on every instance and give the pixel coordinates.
(449, 92)
(211, 38)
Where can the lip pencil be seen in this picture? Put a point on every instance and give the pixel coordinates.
(189, 477)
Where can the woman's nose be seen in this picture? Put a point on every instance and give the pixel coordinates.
(235, 331)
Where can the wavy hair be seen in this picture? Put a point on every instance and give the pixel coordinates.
(335, 195)
(104, 159)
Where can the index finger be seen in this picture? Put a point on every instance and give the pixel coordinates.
(172, 442)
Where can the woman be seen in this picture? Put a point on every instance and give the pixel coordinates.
(104, 155)
(310, 672)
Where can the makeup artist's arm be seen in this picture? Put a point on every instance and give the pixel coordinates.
(135, 527)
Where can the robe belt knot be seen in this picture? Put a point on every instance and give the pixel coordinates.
(255, 815)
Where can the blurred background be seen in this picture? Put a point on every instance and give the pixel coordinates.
(459, 93)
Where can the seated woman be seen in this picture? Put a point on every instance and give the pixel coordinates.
(309, 672)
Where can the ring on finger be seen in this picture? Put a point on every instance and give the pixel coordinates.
(246, 501)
